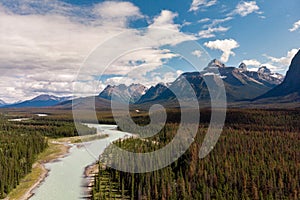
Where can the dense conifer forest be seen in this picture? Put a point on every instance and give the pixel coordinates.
(22, 141)
(19, 147)
(256, 157)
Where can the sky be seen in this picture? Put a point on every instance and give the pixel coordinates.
(54, 46)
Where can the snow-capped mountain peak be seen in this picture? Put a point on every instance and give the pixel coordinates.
(243, 67)
(123, 93)
(216, 63)
(264, 70)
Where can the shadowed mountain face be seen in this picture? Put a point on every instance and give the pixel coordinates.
(123, 93)
(153, 93)
(239, 83)
(290, 85)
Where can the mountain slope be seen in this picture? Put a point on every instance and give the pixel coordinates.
(240, 84)
(123, 93)
(39, 101)
(2, 103)
(153, 93)
(290, 85)
(85, 103)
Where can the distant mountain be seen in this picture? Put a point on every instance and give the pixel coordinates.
(265, 76)
(123, 93)
(39, 101)
(289, 89)
(153, 93)
(239, 83)
(2, 103)
(85, 103)
(215, 64)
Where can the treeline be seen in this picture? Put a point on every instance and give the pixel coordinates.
(18, 151)
(256, 157)
(54, 128)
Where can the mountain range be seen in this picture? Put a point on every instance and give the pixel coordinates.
(240, 84)
(39, 101)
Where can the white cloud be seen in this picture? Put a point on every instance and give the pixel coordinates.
(274, 64)
(196, 4)
(165, 20)
(43, 44)
(169, 32)
(212, 29)
(117, 13)
(203, 20)
(262, 17)
(113, 9)
(186, 23)
(284, 61)
(41, 53)
(197, 53)
(226, 46)
(139, 62)
(210, 32)
(218, 21)
(245, 8)
(296, 26)
(252, 62)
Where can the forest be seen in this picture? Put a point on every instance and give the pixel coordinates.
(22, 141)
(256, 157)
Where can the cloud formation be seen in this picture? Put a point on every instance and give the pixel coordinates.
(295, 27)
(44, 43)
(226, 46)
(252, 62)
(196, 4)
(165, 20)
(245, 8)
(284, 61)
(35, 46)
(210, 32)
(197, 53)
(274, 64)
(212, 28)
(118, 13)
(218, 21)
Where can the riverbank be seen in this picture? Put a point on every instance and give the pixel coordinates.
(89, 175)
(72, 167)
(32, 180)
(58, 148)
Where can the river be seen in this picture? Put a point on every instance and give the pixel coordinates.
(66, 176)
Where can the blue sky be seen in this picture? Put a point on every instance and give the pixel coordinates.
(44, 43)
(265, 31)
